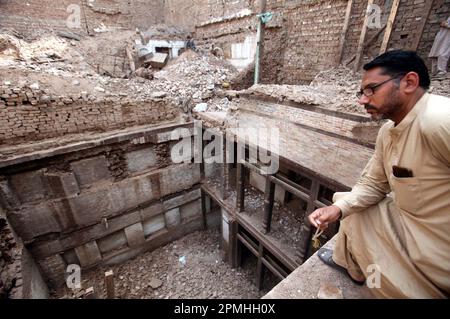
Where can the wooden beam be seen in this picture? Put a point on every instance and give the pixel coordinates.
(423, 22)
(389, 26)
(260, 268)
(109, 283)
(359, 51)
(368, 43)
(344, 31)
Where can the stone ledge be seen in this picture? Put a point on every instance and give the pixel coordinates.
(306, 280)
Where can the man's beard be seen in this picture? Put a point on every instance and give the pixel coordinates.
(387, 110)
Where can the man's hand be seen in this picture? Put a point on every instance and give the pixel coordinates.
(322, 217)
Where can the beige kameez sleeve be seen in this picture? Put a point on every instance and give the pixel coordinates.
(438, 138)
(372, 186)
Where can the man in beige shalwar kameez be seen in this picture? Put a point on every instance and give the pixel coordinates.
(397, 217)
(440, 52)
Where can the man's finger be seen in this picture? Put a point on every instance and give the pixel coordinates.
(313, 221)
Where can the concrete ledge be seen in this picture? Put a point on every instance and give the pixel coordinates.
(306, 281)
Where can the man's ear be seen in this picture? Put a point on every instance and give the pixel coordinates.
(411, 82)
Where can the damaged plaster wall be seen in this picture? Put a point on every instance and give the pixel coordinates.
(33, 17)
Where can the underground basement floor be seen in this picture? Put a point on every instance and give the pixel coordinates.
(190, 268)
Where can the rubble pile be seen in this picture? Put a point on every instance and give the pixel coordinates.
(333, 89)
(441, 86)
(186, 268)
(64, 71)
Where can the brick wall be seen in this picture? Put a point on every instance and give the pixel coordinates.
(31, 114)
(305, 38)
(405, 30)
(32, 17)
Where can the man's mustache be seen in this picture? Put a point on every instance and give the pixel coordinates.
(369, 107)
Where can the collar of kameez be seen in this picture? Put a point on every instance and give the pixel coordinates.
(411, 116)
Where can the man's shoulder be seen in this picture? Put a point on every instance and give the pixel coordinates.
(436, 114)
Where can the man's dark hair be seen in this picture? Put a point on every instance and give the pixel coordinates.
(399, 62)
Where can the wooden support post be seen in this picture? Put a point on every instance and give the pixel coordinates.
(269, 198)
(240, 176)
(368, 43)
(348, 13)
(389, 26)
(423, 22)
(109, 283)
(360, 50)
(204, 213)
(202, 159)
(90, 293)
(225, 173)
(307, 227)
(259, 268)
(234, 243)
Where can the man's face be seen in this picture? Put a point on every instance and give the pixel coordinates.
(386, 98)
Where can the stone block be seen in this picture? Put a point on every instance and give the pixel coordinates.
(135, 235)
(62, 184)
(153, 225)
(34, 221)
(91, 170)
(158, 60)
(8, 197)
(182, 199)
(70, 257)
(112, 242)
(191, 211)
(28, 186)
(179, 177)
(88, 254)
(151, 211)
(225, 228)
(173, 218)
(54, 270)
(108, 201)
(141, 160)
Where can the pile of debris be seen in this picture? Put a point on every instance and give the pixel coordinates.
(333, 89)
(441, 86)
(190, 267)
(63, 68)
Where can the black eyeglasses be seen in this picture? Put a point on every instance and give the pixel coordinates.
(370, 90)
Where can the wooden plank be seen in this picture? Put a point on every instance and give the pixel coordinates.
(344, 31)
(291, 189)
(260, 268)
(423, 22)
(90, 293)
(287, 261)
(368, 43)
(389, 26)
(234, 245)
(362, 38)
(268, 205)
(109, 283)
